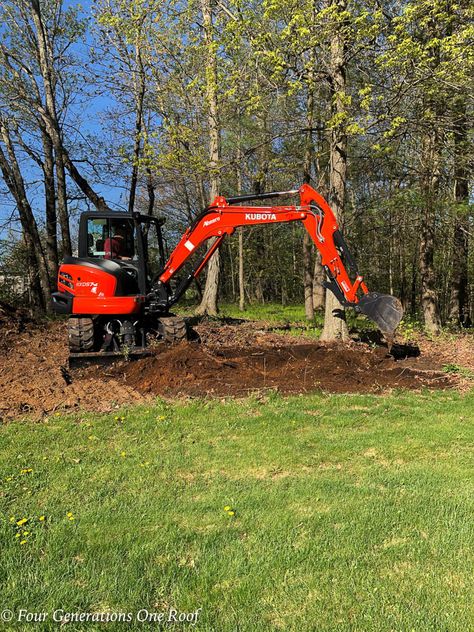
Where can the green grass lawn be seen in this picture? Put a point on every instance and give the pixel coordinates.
(276, 314)
(351, 513)
(273, 312)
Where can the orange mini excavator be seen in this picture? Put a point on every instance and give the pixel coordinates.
(120, 290)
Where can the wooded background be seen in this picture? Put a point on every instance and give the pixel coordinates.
(171, 103)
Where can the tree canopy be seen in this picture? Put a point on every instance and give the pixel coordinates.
(158, 106)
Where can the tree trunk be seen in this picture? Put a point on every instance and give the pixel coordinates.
(319, 292)
(209, 299)
(150, 187)
(428, 293)
(459, 308)
(403, 285)
(308, 270)
(50, 121)
(47, 73)
(319, 276)
(15, 183)
(430, 183)
(259, 235)
(35, 294)
(209, 296)
(63, 215)
(140, 85)
(47, 165)
(241, 271)
(414, 280)
(335, 327)
(240, 230)
(308, 246)
(50, 204)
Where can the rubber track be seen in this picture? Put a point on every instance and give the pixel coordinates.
(173, 329)
(80, 334)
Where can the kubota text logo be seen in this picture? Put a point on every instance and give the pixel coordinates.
(260, 216)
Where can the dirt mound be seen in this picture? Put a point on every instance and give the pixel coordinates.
(34, 378)
(230, 359)
(190, 369)
(241, 333)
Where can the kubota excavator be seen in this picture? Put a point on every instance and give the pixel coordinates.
(119, 290)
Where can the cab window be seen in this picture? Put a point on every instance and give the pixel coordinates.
(110, 238)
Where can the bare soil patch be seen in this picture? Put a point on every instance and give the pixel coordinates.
(190, 369)
(34, 378)
(229, 359)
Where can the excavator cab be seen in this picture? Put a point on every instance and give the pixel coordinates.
(104, 289)
(132, 241)
(118, 256)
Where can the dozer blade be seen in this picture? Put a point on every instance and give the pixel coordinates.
(384, 310)
(86, 358)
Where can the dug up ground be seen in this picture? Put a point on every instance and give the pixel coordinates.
(228, 358)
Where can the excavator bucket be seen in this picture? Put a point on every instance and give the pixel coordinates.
(384, 310)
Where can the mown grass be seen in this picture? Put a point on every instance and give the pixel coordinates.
(273, 312)
(294, 315)
(351, 513)
(284, 315)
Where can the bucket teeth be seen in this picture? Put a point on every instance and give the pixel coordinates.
(384, 310)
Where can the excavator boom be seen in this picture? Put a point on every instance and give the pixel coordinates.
(223, 216)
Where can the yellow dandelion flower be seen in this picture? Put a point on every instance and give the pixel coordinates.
(12, 518)
(23, 542)
(227, 508)
(123, 453)
(25, 532)
(71, 518)
(26, 470)
(17, 535)
(231, 513)
(57, 414)
(116, 418)
(9, 478)
(122, 418)
(42, 518)
(69, 514)
(22, 521)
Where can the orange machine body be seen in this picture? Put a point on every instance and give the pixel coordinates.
(94, 290)
(95, 286)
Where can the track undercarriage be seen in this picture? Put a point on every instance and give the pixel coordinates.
(102, 337)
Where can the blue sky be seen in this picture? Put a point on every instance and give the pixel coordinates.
(89, 116)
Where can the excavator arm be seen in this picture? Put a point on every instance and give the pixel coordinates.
(223, 216)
